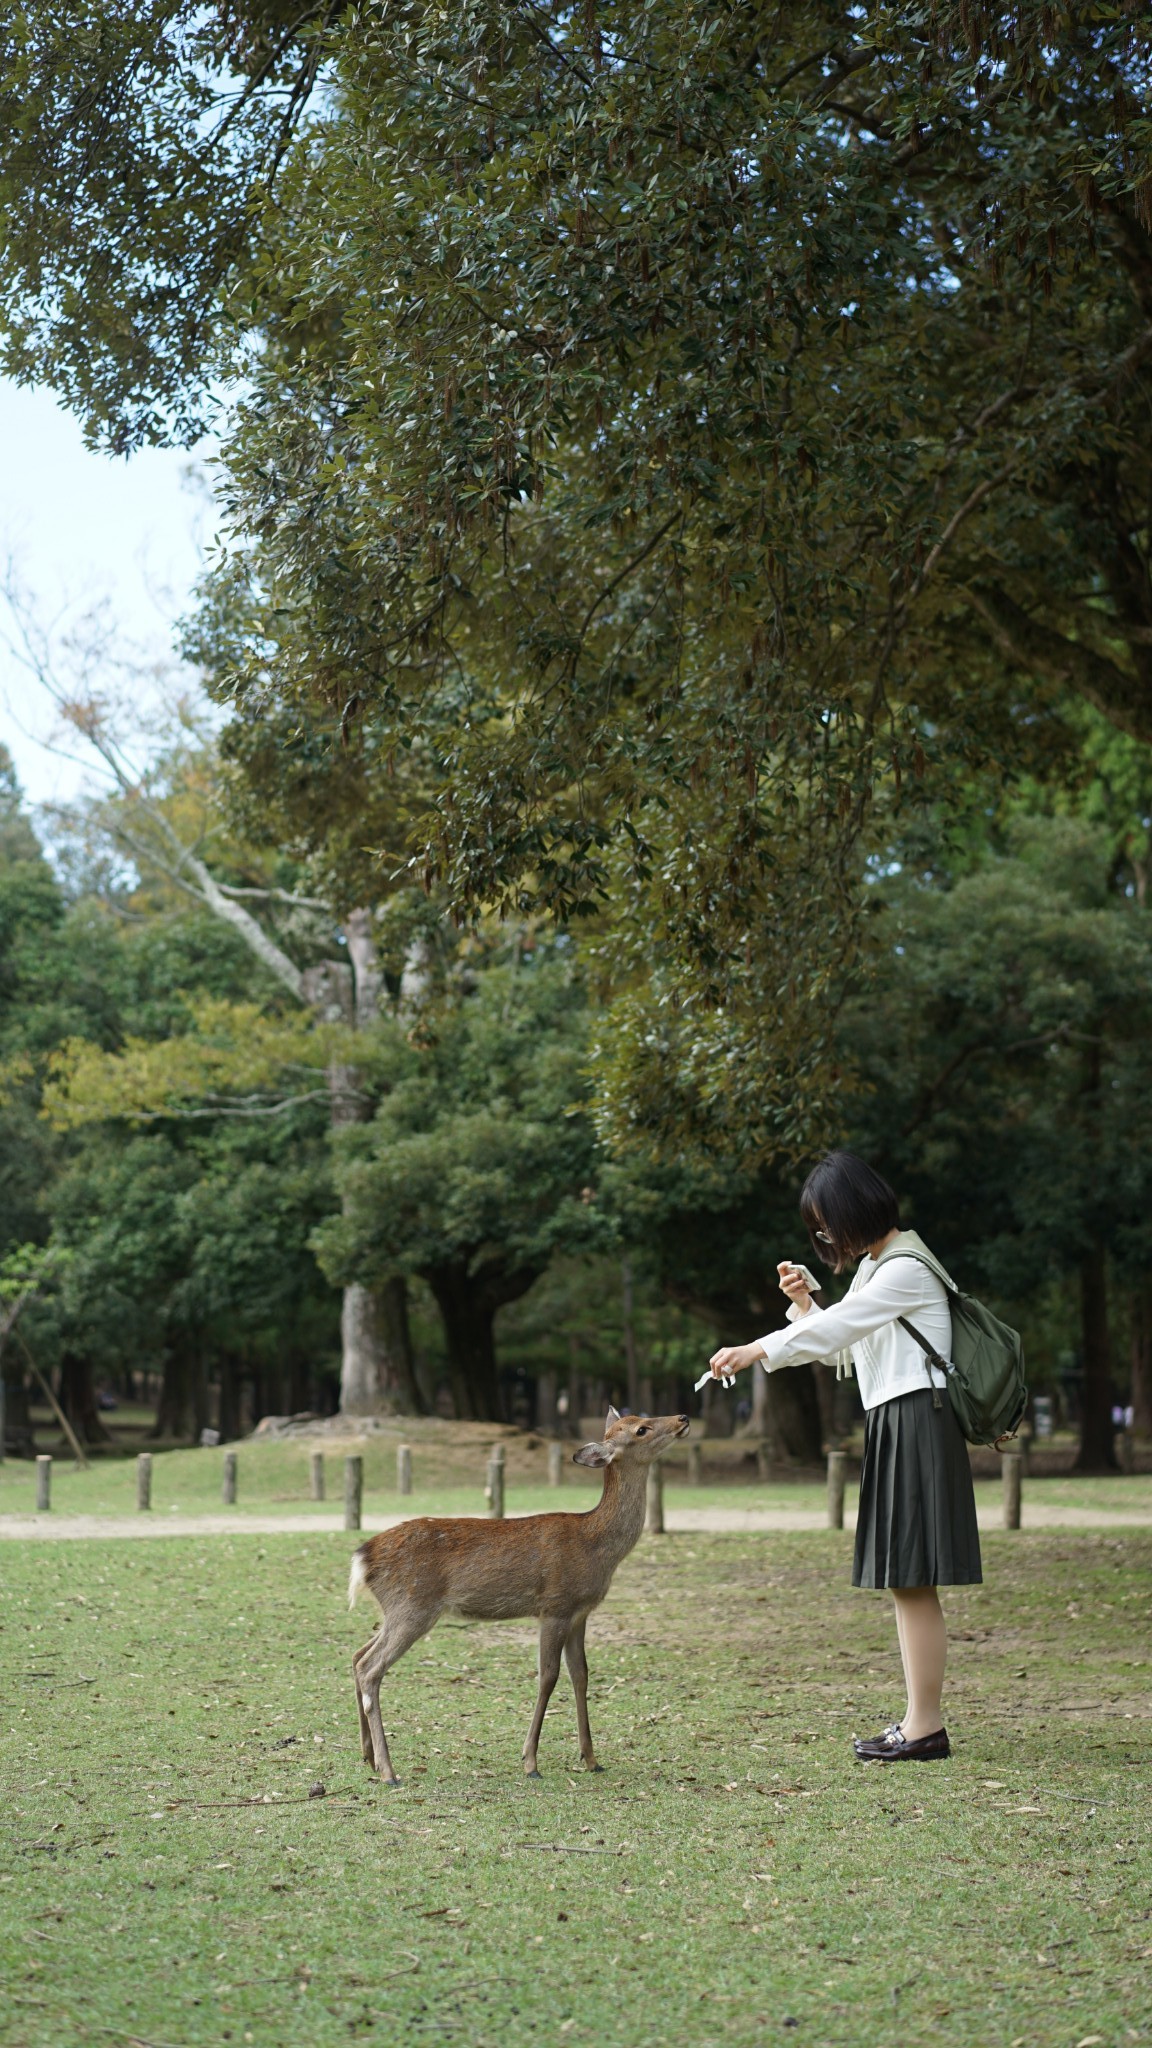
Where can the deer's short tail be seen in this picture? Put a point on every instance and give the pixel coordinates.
(358, 1576)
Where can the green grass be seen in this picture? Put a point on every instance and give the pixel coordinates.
(273, 1477)
(732, 1877)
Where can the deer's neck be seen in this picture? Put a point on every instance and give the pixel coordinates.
(618, 1517)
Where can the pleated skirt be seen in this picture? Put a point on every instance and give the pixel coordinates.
(916, 1524)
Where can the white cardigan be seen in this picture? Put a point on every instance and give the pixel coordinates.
(888, 1361)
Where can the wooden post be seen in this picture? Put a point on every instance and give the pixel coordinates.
(1012, 1464)
(494, 1491)
(837, 1473)
(228, 1492)
(43, 1482)
(316, 1467)
(144, 1481)
(555, 1464)
(764, 1460)
(353, 1490)
(695, 1465)
(654, 1506)
(403, 1468)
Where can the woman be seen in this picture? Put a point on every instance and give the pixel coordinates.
(916, 1525)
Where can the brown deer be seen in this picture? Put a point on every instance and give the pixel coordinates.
(558, 1567)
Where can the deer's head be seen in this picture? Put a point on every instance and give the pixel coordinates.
(636, 1439)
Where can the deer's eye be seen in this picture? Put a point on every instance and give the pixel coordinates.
(641, 1432)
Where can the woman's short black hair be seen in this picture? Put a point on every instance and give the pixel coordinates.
(852, 1202)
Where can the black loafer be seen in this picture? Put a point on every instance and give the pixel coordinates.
(859, 1741)
(892, 1748)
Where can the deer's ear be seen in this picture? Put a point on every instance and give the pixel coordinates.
(613, 1416)
(592, 1454)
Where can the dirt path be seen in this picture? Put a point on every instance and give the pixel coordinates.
(678, 1521)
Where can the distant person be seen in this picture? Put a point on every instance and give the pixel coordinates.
(916, 1524)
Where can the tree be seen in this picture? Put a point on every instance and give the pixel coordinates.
(164, 815)
(1003, 1052)
(687, 427)
(189, 1253)
(479, 1162)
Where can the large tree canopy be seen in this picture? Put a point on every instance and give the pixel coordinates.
(686, 428)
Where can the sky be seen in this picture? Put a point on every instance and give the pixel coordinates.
(84, 528)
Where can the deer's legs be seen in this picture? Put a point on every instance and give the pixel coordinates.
(396, 1633)
(365, 1731)
(552, 1635)
(577, 1664)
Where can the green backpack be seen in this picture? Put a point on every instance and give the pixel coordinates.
(985, 1373)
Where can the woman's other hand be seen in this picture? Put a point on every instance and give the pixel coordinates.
(733, 1358)
(794, 1285)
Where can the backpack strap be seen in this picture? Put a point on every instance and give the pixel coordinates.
(931, 1355)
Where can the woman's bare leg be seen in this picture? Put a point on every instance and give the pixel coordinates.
(924, 1650)
(900, 1639)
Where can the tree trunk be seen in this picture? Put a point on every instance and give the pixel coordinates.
(183, 1409)
(469, 1319)
(1097, 1451)
(76, 1394)
(631, 1369)
(377, 1373)
(1141, 1393)
(546, 1403)
(228, 1410)
(794, 1413)
(786, 1413)
(19, 1438)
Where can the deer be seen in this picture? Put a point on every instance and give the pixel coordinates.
(555, 1567)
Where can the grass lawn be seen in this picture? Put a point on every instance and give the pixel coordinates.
(732, 1877)
(449, 1479)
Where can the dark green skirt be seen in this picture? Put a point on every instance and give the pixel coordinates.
(916, 1524)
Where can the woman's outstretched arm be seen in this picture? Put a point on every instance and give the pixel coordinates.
(897, 1289)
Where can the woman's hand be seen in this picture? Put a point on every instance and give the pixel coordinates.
(733, 1358)
(794, 1285)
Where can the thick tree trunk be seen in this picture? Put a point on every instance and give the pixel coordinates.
(794, 1414)
(1097, 1452)
(377, 1373)
(786, 1414)
(1140, 1396)
(469, 1319)
(468, 1302)
(76, 1394)
(183, 1409)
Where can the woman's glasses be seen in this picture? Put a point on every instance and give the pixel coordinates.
(823, 1236)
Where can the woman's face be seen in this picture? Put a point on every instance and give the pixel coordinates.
(824, 1243)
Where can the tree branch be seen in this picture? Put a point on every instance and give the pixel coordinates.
(623, 574)
(184, 867)
(276, 896)
(1033, 644)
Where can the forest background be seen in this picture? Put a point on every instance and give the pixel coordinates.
(679, 650)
